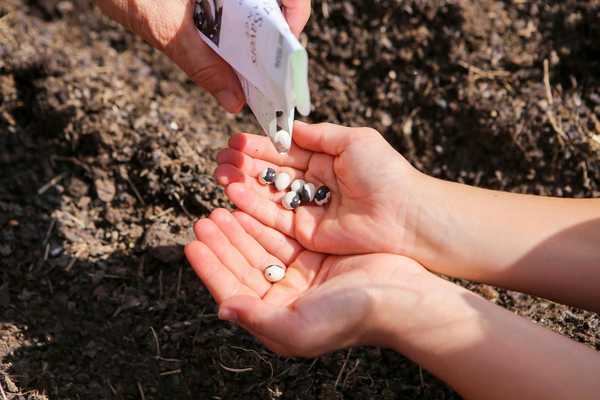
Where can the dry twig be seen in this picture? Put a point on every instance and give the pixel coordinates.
(235, 370)
(49, 232)
(112, 388)
(52, 182)
(156, 343)
(339, 377)
(480, 73)
(135, 191)
(2, 392)
(172, 372)
(258, 356)
(141, 390)
(349, 374)
(549, 110)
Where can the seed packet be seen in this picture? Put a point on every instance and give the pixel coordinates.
(255, 39)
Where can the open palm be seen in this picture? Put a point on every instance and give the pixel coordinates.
(323, 303)
(371, 187)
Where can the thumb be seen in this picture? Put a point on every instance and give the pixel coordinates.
(324, 137)
(276, 323)
(297, 13)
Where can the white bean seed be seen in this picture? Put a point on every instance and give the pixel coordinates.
(282, 181)
(274, 273)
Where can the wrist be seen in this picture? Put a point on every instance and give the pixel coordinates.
(427, 222)
(419, 302)
(437, 324)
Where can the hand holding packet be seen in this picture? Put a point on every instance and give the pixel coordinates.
(255, 39)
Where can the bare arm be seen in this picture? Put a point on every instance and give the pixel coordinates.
(549, 247)
(327, 302)
(484, 351)
(545, 246)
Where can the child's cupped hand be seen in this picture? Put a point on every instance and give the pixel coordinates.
(374, 203)
(323, 303)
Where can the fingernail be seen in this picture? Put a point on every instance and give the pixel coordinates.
(226, 314)
(229, 100)
(222, 180)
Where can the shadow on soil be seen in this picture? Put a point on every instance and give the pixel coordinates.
(116, 322)
(573, 33)
(111, 323)
(89, 317)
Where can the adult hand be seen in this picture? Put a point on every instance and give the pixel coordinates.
(374, 204)
(168, 26)
(323, 303)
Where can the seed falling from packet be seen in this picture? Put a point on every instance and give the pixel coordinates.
(255, 39)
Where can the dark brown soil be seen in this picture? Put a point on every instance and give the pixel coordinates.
(107, 151)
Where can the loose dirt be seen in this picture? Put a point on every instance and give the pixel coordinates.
(107, 152)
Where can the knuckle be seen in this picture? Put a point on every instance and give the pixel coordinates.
(325, 126)
(189, 247)
(277, 219)
(198, 226)
(204, 227)
(218, 214)
(255, 323)
(371, 133)
(206, 75)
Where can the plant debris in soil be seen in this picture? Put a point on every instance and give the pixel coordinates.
(107, 152)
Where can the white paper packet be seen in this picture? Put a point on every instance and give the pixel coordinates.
(255, 39)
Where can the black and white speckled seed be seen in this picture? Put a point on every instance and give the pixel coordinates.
(322, 196)
(291, 201)
(296, 201)
(267, 176)
(307, 193)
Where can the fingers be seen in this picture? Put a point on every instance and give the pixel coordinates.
(235, 166)
(219, 281)
(277, 323)
(209, 234)
(302, 266)
(248, 165)
(227, 174)
(203, 65)
(252, 166)
(169, 27)
(281, 246)
(260, 147)
(261, 208)
(327, 138)
(297, 13)
(243, 241)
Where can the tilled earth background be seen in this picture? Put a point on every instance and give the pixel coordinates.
(107, 152)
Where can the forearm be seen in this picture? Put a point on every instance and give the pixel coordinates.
(546, 246)
(485, 352)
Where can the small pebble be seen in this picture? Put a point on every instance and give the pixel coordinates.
(56, 251)
(274, 273)
(267, 176)
(282, 181)
(307, 193)
(291, 200)
(322, 196)
(297, 185)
